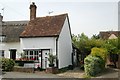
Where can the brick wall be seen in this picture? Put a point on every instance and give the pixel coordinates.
(22, 69)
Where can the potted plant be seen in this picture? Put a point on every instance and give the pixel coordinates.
(51, 60)
(51, 68)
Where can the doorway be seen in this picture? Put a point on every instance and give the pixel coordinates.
(13, 54)
(44, 61)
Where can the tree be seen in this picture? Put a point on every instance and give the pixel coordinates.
(75, 40)
(85, 44)
(95, 36)
(112, 46)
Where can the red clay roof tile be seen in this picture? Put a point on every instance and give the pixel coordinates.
(44, 26)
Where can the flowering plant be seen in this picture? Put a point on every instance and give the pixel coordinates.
(25, 59)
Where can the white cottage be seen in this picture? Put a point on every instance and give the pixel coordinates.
(9, 38)
(44, 35)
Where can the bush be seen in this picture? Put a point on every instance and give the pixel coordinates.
(100, 52)
(93, 65)
(7, 64)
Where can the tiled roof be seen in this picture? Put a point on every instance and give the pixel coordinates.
(12, 30)
(44, 26)
(107, 34)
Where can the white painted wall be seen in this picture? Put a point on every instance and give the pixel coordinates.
(65, 46)
(11, 45)
(39, 43)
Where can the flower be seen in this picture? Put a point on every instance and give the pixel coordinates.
(33, 58)
(18, 58)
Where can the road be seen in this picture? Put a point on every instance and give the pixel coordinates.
(29, 75)
(76, 73)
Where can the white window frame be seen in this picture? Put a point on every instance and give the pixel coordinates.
(28, 55)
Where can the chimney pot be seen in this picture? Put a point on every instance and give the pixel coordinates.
(33, 3)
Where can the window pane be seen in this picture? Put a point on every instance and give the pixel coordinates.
(31, 57)
(36, 52)
(31, 52)
(26, 52)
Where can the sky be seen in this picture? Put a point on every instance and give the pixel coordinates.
(85, 16)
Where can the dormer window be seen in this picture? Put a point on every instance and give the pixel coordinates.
(2, 38)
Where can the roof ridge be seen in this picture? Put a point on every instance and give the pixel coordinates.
(52, 15)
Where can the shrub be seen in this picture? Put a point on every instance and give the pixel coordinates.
(7, 64)
(100, 52)
(93, 65)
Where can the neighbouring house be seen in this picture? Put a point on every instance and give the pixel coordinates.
(9, 38)
(38, 38)
(109, 34)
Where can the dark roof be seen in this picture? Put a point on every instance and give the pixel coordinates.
(12, 30)
(44, 26)
(107, 34)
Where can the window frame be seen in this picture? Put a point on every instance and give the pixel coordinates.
(32, 54)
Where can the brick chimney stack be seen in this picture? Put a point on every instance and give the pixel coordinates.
(33, 11)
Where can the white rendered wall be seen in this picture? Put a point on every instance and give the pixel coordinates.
(65, 46)
(11, 45)
(39, 43)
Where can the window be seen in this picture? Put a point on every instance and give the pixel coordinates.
(2, 53)
(31, 54)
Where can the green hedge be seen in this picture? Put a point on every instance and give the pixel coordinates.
(93, 65)
(7, 64)
(100, 52)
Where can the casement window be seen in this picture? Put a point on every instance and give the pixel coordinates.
(2, 53)
(31, 54)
